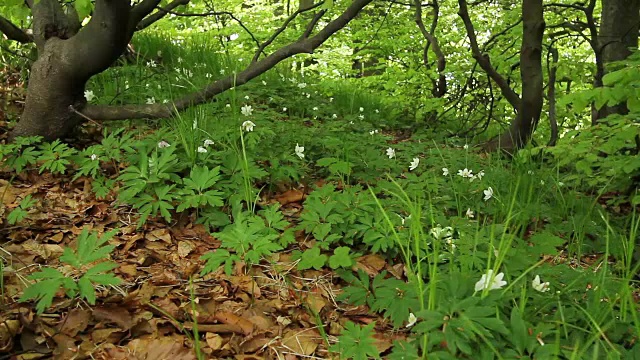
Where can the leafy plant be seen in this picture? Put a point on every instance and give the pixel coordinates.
(87, 269)
(21, 212)
(248, 237)
(21, 153)
(55, 157)
(197, 189)
(148, 186)
(356, 342)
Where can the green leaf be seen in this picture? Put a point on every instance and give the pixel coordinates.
(341, 258)
(395, 298)
(358, 292)
(356, 342)
(214, 259)
(102, 267)
(86, 290)
(518, 330)
(16, 215)
(312, 258)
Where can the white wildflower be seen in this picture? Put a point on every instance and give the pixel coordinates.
(208, 142)
(445, 172)
(315, 108)
(246, 110)
(439, 232)
(246, 97)
(466, 146)
(391, 153)
(151, 100)
(465, 173)
(202, 150)
(88, 94)
(491, 282)
(539, 285)
(469, 213)
(361, 109)
(361, 117)
(233, 37)
(488, 194)
(284, 109)
(299, 151)
(414, 164)
(248, 126)
(412, 320)
(302, 85)
(163, 144)
(334, 116)
(94, 157)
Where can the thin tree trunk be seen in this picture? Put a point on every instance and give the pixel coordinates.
(552, 68)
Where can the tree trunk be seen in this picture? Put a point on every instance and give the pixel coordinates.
(523, 126)
(618, 34)
(50, 93)
(67, 59)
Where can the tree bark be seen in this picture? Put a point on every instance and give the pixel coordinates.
(618, 34)
(64, 65)
(530, 107)
(552, 69)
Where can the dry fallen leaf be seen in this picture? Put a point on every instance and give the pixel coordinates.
(75, 322)
(290, 196)
(302, 341)
(185, 248)
(213, 340)
(233, 319)
(164, 348)
(114, 315)
(159, 234)
(8, 330)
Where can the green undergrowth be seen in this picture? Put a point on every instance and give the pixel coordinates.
(491, 247)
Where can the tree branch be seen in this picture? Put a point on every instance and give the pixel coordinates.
(281, 29)
(312, 24)
(162, 12)
(101, 41)
(48, 16)
(13, 32)
(253, 70)
(483, 59)
(214, 13)
(139, 12)
(439, 88)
